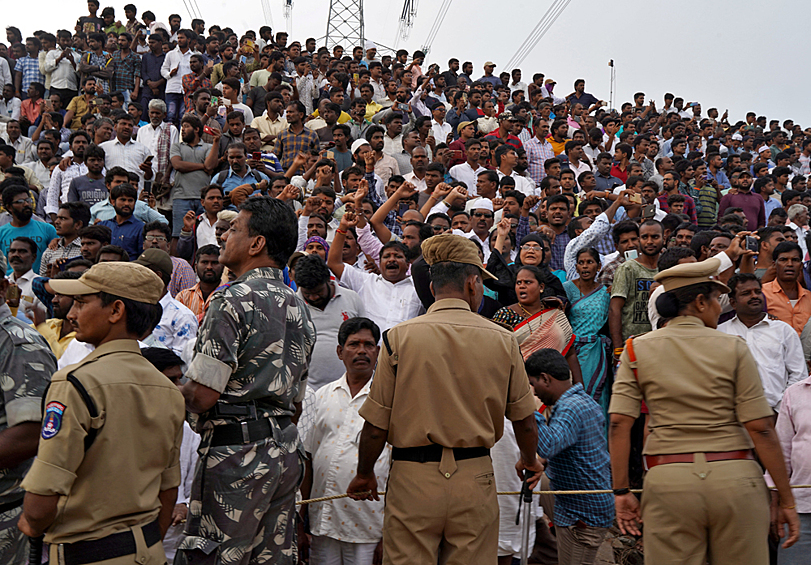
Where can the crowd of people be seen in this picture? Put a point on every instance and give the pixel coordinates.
(293, 210)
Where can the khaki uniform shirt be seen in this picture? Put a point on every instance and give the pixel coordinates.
(699, 384)
(115, 484)
(450, 380)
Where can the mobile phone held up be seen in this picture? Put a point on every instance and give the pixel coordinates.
(751, 243)
(209, 130)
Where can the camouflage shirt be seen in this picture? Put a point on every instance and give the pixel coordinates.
(253, 347)
(26, 366)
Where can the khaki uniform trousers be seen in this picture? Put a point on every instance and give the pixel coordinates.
(143, 555)
(443, 512)
(695, 512)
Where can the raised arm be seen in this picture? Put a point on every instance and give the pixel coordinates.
(335, 259)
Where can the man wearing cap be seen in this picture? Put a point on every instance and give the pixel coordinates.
(506, 122)
(441, 406)
(245, 383)
(546, 91)
(482, 215)
(178, 324)
(465, 131)
(104, 483)
(705, 497)
(488, 74)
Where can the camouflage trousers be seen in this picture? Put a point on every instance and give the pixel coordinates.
(242, 509)
(13, 544)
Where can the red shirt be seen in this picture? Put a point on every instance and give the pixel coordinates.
(509, 140)
(619, 173)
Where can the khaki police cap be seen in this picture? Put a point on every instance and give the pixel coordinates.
(127, 280)
(692, 273)
(450, 247)
(462, 125)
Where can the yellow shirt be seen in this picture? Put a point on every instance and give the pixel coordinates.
(80, 107)
(266, 126)
(371, 109)
(50, 329)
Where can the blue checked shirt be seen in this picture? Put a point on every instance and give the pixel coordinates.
(391, 219)
(558, 250)
(29, 67)
(575, 446)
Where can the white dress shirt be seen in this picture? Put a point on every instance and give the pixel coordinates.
(465, 173)
(176, 59)
(149, 135)
(5, 74)
(418, 183)
(333, 444)
(778, 353)
(129, 155)
(205, 232)
(63, 75)
(522, 184)
(387, 304)
(441, 131)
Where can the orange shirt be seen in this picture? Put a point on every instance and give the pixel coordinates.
(779, 306)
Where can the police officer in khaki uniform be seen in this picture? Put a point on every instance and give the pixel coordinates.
(704, 494)
(105, 479)
(444, 383)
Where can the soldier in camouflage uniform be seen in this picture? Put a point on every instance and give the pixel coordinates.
(245, 381)
(26, 366)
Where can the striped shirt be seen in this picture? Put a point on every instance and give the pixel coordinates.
(183, 276)
(60, 185)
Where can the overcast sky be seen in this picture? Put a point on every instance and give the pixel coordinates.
(740, 55)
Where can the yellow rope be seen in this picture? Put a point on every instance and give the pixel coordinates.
(635, 491)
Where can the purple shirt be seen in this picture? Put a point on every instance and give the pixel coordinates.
(752, 205)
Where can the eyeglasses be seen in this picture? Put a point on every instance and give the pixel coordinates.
(531, 248)
(482, 215)
(155, 238)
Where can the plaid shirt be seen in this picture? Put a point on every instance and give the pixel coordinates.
(558, 251)
(607, 274)
(575, 445)
(183, 276)
(125, 71)
(69, 251)
(192, 82)
(29, 67)
(99, 61)
(192, 298)
(289, 144)
(537, 153)
(391, 218)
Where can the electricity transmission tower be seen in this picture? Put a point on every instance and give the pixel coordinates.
(345, 24)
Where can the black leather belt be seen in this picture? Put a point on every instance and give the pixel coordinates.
(5, 507)
(110, 547)
(433, 453)
(246, 432)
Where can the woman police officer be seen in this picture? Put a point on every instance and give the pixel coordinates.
(704, 494)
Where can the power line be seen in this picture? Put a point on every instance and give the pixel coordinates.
(266, 11)
(440, 17)
(535, 36)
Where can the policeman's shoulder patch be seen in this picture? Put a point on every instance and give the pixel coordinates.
(52, 422)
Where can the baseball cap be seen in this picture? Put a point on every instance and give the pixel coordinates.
(489, 64)
(506, 115)
(460, 127)
(452, 248)
(550, 81)
(127, 280)
(156, 258)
